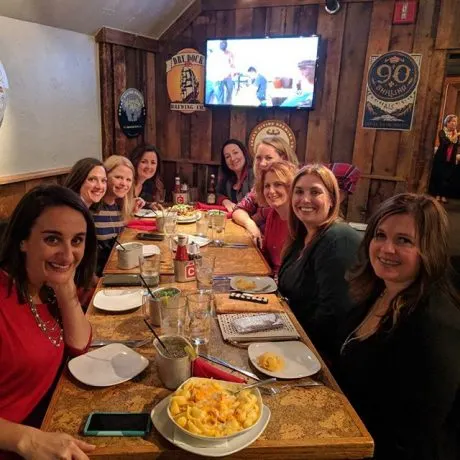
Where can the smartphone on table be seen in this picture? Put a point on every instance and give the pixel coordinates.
(121, 279)
(150, 236)
(117, 424)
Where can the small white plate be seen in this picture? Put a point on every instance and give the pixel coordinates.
(188, 219)
(150, 250)
(216, 448)
(145, 213)
(299, 360)
(118, 299)
(199, 240)
(109, 365)
(358, 226)
(264, 284)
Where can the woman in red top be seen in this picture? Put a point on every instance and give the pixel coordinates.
(48, 251)
(272, 190)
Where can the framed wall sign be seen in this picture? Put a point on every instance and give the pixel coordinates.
(131, 112)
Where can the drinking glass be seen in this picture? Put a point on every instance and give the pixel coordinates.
(161, 196)
(202, 225)
(150, 269)
(169, 227)
(199, 313)
(218, 221)
(173, 313)
(204, 267)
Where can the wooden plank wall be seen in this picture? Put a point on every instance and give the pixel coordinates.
(390, 161)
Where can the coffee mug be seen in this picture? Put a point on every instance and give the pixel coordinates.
(128, 255)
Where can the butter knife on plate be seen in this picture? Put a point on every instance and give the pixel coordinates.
(215, 360)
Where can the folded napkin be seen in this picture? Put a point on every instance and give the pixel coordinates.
(202, 368)
(142, 224)
(226, 305)
(212, 207)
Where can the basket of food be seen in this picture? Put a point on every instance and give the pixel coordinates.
(185, 213)
(214, 409)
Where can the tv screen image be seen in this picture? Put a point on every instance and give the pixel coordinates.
(262, 72)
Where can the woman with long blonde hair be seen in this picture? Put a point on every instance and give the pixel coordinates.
(267, 151)
(319, 250)
(116, 207)
(399, 358)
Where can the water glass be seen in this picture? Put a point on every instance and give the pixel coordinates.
(202, 225)
(173, 312)
(150, 269)
(170, 222)
(199, 313)
(204, 268)
(218, 221)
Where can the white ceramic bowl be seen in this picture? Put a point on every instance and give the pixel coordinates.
(255, 391)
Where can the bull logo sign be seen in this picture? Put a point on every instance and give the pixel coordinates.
(185, 81)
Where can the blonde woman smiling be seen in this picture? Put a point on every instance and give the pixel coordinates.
(273, 190)
(116, 207)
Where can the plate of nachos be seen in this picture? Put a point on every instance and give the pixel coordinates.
(186, 214)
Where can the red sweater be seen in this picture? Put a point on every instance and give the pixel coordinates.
(275, 235)
(29, 362)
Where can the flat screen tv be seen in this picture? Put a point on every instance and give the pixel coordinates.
(262, 72)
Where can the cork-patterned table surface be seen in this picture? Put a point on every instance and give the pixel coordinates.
(229, 261)
(313, 423)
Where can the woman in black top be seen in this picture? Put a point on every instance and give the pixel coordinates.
(235, 176)
(399, 364)
(319, 251)
(445, 159)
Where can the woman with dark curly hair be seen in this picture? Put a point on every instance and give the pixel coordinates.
(399, 363)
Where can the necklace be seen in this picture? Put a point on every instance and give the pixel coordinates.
(52, 331)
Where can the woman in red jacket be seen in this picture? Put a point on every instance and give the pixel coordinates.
(49, 250)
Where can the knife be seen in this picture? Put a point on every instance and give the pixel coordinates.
(215, 360)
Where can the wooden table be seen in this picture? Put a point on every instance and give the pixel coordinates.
(313, 423)
(229, 261)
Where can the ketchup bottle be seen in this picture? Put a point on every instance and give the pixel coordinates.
(181, 251)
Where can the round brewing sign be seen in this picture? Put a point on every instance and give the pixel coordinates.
(393, 76)
(131, 112)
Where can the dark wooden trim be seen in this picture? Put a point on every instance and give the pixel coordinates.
(191, 162)
(218, 5)
(34, 175)
(119, 37)
(182, 22)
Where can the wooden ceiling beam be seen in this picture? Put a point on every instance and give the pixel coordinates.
(120, 37)
(213, 5)
(182, 22)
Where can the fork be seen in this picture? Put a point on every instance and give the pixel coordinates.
(129, 343)
(281, 389)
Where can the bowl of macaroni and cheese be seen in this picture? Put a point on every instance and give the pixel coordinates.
(213, 409)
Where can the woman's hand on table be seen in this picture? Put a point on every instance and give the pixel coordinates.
(139, 203)
(229, 205)
(40, 445)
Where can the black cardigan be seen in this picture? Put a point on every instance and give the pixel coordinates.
(405, 382)
(314, 282)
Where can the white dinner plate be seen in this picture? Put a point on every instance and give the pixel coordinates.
(150, 250)
(118, 299)
(358, 226)
(264, 284)
(145, 213)
(299, 360)
(109, 365)
(216, 448)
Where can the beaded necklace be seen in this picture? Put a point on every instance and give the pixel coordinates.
(52, 329)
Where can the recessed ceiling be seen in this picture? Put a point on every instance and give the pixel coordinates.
(146, 17)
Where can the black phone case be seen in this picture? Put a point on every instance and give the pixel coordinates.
(121, 280)
(150, 236)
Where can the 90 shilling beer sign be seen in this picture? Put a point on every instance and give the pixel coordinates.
(185, 81)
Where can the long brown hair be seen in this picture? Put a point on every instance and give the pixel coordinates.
(432, 235)
(297, 230)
